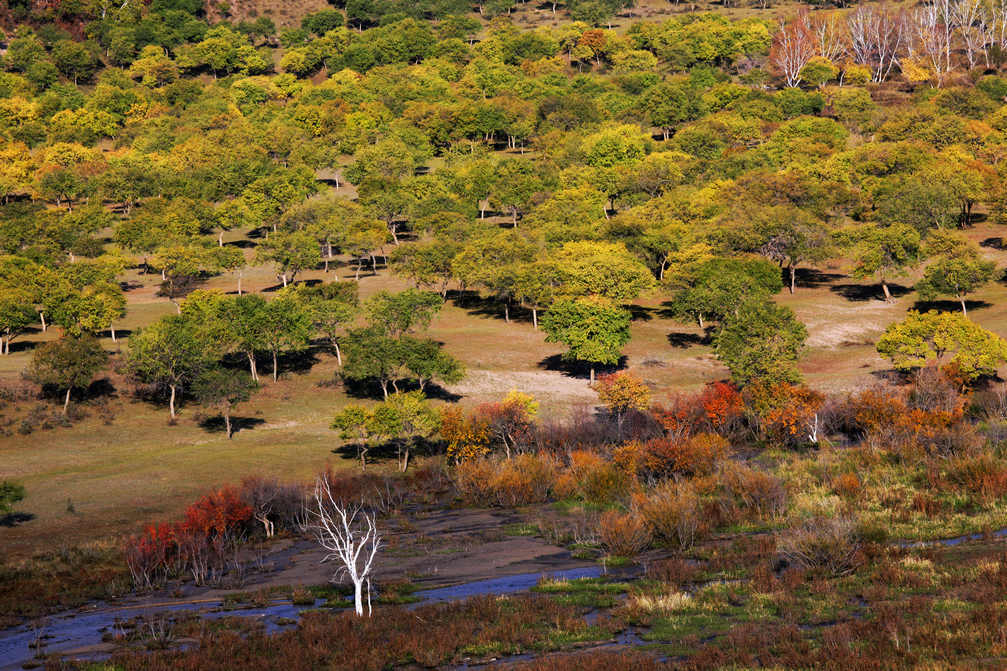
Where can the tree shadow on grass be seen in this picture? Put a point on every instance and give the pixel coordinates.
(476, 304)
(993, 243)
(809, 278)
(216, 424)
(578, 369)
(681, 340)
(23, 346)
(868, 292)
(949, 305)
(371, 389)
(16, 518)
(638, 313)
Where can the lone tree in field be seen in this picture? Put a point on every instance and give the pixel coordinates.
(761, 341)
(622, 392)
(881, 251)
(67, 364)
(222, 389)
(354, 422)
(405, 419)
(958, 269)
(593, 329)
(942, 338)
(169, 353)
(351, 538)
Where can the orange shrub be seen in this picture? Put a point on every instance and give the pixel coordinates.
(723, 405)
(697, 455)
(984, 475)
(847, 485)
(473, 478)
(623, 534)
(525, 479)
(598, 480)
(787, 413)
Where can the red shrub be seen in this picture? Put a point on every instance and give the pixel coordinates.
(217, 513)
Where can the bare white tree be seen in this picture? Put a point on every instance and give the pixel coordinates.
(829, 35)
(793, 47)
(877, 37)
(970, 21)
(994, 28)
(930, 29)
(351, 538)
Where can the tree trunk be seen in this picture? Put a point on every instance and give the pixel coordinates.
(112, 329)
(592, 374)
(701, 324)
(384, 388)
(239, 283)
(252, 367)
(793, 277)
(965, 312)
(275, 372)
(220, 239)
(66, 401)
(888, 294)
(284, 276)
(507, 311)
(358, 602)
(339, 354)
(227, 424)
(171, 402)
(41, 315)
(534, 318)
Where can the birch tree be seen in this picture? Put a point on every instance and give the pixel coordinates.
(351, 538)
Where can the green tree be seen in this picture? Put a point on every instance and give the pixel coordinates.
(606, 269)
(593, 329)
(942, 338)
(332, 307)
(221, 389)
(67, 364)
(170, 353)
(372, 355)
(958, 269)
(291, 252)
(286, 326)
(881, 251)
(405, 419)
(395, 314)
(718, 287)
(761, 342)
(10, 493)
(16, 314)
(427, 263)
(74, 60)
(426, 361)
(354, 422)
(246, 319)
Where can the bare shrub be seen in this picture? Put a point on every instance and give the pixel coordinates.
(674, 513)
(829, 544)
(747, 492)
(623, 534)
(273, 504)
